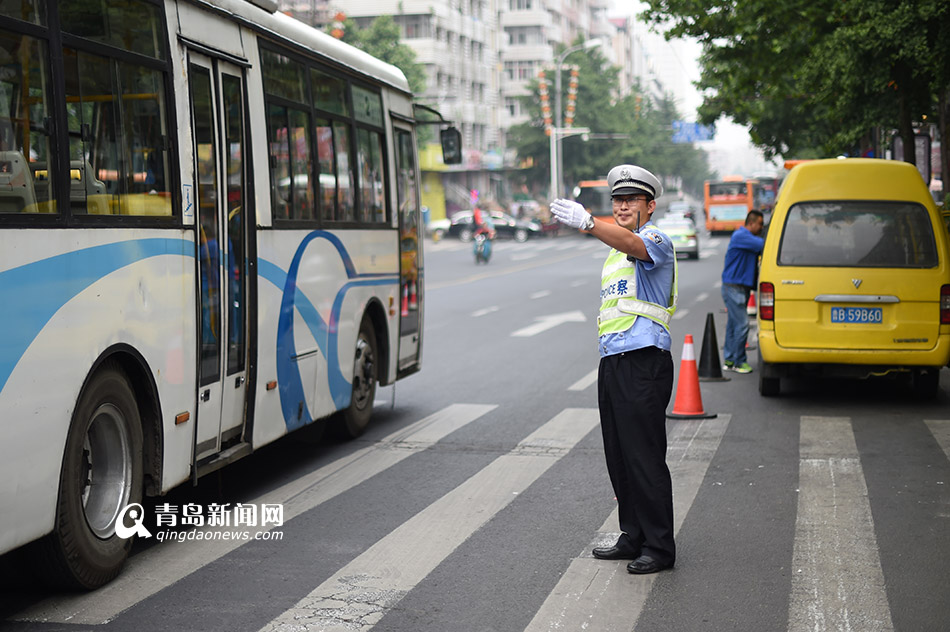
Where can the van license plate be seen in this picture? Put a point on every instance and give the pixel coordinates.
(856, 315)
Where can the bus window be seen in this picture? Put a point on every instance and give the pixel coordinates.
(289, 139)
(25, 185)
(370, 160)
(329, 93)
(346, 192)
(117, 129)
(326, 168)
(133, 26)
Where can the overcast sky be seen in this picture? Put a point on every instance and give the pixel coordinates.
(731, 152)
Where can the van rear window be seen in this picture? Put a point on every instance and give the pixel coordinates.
(858, 233)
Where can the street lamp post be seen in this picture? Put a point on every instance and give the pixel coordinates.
(557, 131)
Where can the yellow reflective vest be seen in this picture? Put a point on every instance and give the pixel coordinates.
(619, 305)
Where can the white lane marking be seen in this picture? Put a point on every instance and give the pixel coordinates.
(702, 296)
(579, 282)
(837, 581)
(584, 382)
(162, 565)
(680, 313)
(484, 311)
(523, 256)
(598, 595)
(940, 429)
(543, 323)
(540, 294)
(360, 593)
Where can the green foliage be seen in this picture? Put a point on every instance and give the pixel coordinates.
(382, 39)
(646, 125)
(815, 76)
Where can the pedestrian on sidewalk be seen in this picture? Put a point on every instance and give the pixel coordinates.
(738, 280)
(635, 378)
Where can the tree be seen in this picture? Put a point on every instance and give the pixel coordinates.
(815, 76)
(382, 39)
(640, 129)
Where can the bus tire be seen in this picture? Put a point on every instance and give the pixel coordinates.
(354, 419)
(104, 445)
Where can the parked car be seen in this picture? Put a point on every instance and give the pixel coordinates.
(683, 232)
(437, 228)
(855, 276)
(684, 209)
(506, 226)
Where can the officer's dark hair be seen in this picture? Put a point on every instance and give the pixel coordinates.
(753, 214)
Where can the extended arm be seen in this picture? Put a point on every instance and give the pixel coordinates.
(573, 214)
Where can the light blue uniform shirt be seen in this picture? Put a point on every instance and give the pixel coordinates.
(654, 283)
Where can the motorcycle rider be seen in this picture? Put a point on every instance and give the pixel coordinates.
(483, 226)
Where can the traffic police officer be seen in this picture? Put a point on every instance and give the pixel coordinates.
(635, 379)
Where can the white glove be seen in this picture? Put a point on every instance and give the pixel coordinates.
(569, 213)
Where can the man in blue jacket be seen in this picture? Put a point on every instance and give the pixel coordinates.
(738, 279)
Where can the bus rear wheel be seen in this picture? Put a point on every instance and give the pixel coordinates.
(101, 475)
(353, 420)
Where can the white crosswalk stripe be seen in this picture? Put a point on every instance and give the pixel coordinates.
(837, 581)
(598, 595)
(360, 593)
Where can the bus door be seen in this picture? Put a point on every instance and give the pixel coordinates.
(217, 109)
(410, 251)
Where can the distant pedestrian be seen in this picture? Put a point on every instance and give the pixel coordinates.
(738, 280)
(635, 378)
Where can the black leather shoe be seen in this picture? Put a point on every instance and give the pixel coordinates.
(615, 553)
(645, 565)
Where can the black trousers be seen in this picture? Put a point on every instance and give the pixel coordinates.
(633, 391)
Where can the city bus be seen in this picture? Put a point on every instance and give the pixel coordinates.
(767, 186)
(209, 237)
(726, 202)
(594, 195)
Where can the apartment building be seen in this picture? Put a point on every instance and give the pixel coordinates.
(479, 57)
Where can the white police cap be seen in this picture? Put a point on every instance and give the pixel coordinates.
(631, 179)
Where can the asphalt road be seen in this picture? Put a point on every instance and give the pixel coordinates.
(472, 503)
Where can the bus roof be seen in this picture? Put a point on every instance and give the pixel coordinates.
(592, 183)
(251, 15)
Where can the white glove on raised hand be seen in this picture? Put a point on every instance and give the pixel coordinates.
(569, 213)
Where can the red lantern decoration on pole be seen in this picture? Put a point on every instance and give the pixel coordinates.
(571, 97)
(545, 102)
(337, 27)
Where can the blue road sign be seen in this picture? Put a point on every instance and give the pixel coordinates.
(686, 132)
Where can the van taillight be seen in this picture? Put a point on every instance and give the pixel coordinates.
(767, 301)
(945, 304)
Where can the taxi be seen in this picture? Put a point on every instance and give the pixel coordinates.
(854, 279)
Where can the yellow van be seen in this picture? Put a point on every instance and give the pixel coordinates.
(855, 278)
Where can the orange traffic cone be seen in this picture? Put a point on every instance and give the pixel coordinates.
(413, 302)
(750, 307)
(689, 401)
(404, 311)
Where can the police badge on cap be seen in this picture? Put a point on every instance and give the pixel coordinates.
(631, 180)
